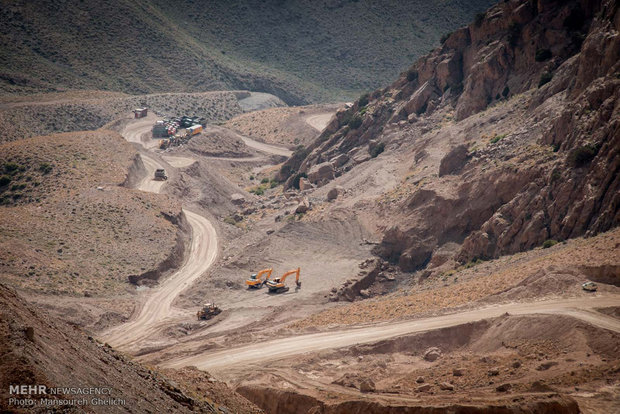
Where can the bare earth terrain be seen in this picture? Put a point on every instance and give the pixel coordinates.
(443, 226)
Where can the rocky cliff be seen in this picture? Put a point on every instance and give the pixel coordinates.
(511, 130)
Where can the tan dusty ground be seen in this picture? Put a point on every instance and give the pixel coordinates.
(489, 280)
(74, 228)
(284, 126)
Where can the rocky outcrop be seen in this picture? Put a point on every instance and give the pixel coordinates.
(454, 161)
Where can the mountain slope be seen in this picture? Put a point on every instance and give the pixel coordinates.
(300, 51)
(506, 136)
(40, 350)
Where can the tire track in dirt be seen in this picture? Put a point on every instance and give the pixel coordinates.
(299, 344)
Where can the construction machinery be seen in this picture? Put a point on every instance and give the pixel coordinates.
(277, 285)
(256, 282)
(589, 286)
(160, 174)
(208, 311)
(140, 112)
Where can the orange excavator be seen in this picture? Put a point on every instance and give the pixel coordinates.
(277, 285)
(255, 281)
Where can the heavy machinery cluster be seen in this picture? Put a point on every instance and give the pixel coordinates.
(177, 131)
(276, 285)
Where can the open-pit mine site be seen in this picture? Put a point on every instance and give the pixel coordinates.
(296, 207)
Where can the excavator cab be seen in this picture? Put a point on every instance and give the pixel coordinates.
(277, 285)
(256, 282)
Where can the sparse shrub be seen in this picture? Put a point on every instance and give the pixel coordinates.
(230, 220)
(497, 138)
(11, 167)
(582, 155)
(479, 19)
(542, 55)
(445, 37)
(377, 149)
(355, 122)
(549, 243)
(514, 32)
(273, 184)
(264, 180)
(364, 99)
(257, 191)
(506, 91)
(45, 168)
(412, 75)
(545, 78)
(4, 180)
(556, 175)
(251, 178)
(472, 263)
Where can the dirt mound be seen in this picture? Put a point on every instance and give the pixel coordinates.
(41, 350)
(284, 126)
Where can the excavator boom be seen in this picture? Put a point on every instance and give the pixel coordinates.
(277, 285)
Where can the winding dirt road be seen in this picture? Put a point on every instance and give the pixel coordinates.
(580, 308)
(157, 309)
(157, 312)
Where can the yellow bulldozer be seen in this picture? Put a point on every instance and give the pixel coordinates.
(256, 282)
(208, 311)
(277, 285)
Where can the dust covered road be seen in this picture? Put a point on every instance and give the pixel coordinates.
(580, 308)
(157, 309)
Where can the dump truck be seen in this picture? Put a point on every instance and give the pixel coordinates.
(160, 174)
(140, 112)
(256, 282)
(208, 311)
(589, 286)
(277, 285)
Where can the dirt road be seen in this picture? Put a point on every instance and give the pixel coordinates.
(319, 121)
(280, 348)
(157, 307)
(156, 312)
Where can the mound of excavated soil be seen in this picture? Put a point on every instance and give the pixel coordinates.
(40, 350)
(284, 126)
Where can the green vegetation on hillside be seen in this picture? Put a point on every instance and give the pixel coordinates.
(299, 50)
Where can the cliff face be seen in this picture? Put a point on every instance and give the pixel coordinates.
(546, 74)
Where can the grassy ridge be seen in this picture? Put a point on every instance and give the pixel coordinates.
(300, 50)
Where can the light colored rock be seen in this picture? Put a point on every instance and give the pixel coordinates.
(321, 173)
(305, 184)
(432, 354)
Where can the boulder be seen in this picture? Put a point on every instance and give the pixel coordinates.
(321, 173)
(367, 385)
(334, 193)
(458, 372)
(432, 354)
(493, 372)
(340, 160)
(454, 161)
(303, 206)
(305, 184)
(420, 380)
(503, 388)
(237, 199)
(446, 386)
(419, 100)
(423, 388)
